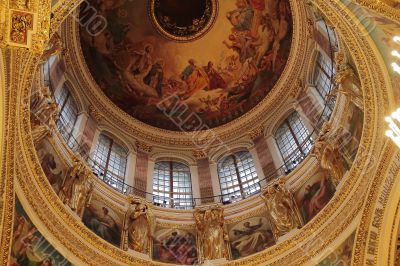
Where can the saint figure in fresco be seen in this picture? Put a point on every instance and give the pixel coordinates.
(195, 77)
(104, 226)
(216, 81)
(189, 69)
(242, 17)
(251, 238)
(156, 76)
(315, 198)
(141, 60)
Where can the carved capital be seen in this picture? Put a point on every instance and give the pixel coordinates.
(141, 146)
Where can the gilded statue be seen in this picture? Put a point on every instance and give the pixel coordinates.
(43, 127)
(44, 114)
(54, 47)
(211, 233)
(347, 81)
(282, 210)
(138, 227)
(77, 188)
(329, 151)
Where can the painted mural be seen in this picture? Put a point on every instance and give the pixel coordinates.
(104, 221)
(354, 129)
(29, 247)
(176, 246)
(216, 78)
(342, 255)
(52, 165)
(250, 236)
(314, 195)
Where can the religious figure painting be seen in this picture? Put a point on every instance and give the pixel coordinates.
(250, 236)
(342, 255)
(354, 129)
(29, 247)
(104, 221)
(176, 246)
(52, 165)
(217, 78)
(314, 194)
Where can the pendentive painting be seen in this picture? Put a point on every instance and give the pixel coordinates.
(314, 195)
(354, 129)
(52, 165)
(29, 247)
(177, 246)
(250, 236)
(342, 255)
(104, 221)
(240, 50)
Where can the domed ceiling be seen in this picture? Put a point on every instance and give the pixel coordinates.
(164, 61)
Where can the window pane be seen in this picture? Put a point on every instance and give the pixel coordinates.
(235, 173)
(293, 140)
(174, 180)
(109, 162)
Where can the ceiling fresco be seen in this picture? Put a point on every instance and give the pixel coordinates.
(216, 59)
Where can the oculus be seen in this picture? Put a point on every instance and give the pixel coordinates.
(182, 20)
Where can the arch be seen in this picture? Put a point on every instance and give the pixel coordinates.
(116, 136)
(217, 154)
(178, 157)
(80, 103)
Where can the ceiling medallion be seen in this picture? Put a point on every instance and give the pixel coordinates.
(183, 20)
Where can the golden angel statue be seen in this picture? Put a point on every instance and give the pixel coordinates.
(282, 210)
(347, 81)
(211, 233)
(77, 188)
(329, 151)
(138, 227)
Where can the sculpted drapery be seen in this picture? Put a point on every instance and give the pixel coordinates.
(138, 227)
(77, 189)
(282, 210)
(211, 233)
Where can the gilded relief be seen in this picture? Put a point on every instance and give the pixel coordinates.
(218, 77)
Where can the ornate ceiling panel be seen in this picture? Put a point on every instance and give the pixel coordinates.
(209, 66)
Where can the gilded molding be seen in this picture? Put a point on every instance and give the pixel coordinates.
(324, 228)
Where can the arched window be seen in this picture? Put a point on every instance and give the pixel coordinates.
(324, 74)
(172, 185)
(237, 177)
(109, 162)
(293, 140)
(68, 114)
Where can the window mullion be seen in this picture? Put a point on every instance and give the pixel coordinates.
(295, 137)
(108, 157)
(238, 175)
(171, 183)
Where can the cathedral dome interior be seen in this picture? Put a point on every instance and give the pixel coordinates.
(201, 132)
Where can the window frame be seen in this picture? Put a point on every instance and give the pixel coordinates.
(174, 199)
(245, 186)
(64, 103)
(302, 148)
(104, 171)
